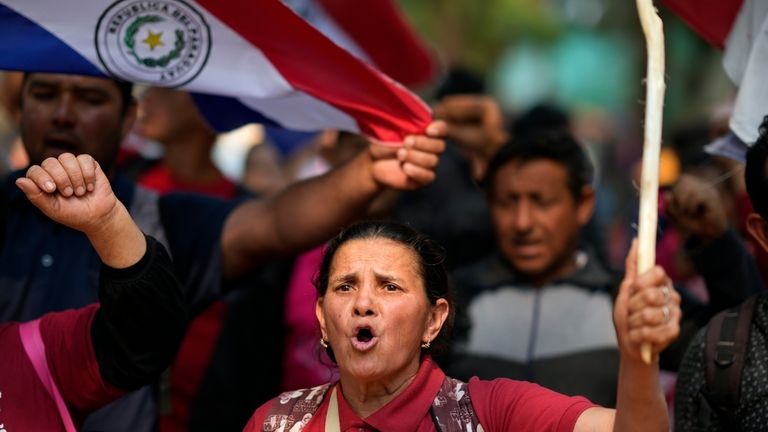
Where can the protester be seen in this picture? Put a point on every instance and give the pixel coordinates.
(94, 354)
(555, 297)
(384, 306)
(263, 171)
(227, 396)
(12, 154)
(727, 390)
(717, 252)
(214, 244)
(171, 118)
(538, 308)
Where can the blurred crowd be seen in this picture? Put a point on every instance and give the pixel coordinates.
(535, 210)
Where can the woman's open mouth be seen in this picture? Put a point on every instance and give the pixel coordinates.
(364, 339)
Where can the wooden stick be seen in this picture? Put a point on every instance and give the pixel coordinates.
(654, 106)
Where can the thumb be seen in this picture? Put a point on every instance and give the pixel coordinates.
(630, 264)
(630, 272)
(382, 151)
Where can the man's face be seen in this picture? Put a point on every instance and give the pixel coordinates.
(165, 114)
(537, 219)
(71, 113)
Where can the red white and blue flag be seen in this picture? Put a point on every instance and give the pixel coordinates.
(246, 61)
(740, 28)
(394, 47)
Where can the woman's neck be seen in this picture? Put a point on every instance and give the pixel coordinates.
(366, 398)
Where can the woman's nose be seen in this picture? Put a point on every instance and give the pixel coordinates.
(362, 311)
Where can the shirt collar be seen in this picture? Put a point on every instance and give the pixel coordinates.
(495, 271)
(405, 411)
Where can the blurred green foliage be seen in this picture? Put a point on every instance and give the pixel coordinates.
(599, 63)
(475, 32)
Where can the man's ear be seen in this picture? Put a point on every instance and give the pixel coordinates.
(131, 111)
(586, 205)
(758, 227)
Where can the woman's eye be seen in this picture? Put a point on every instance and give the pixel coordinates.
(391, 287)
(344, 287)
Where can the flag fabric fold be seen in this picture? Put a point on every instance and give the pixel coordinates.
(711, 19)
(394, 47)
(740, 28)
(269, 63)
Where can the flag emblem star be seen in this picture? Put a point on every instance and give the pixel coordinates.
(153, 39)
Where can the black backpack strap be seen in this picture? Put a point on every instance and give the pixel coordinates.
(724, 354)
(452, 409)
(292, 410)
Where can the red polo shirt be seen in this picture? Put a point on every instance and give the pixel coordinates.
(500, 405)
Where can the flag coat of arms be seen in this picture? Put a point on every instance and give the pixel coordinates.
(246, 61)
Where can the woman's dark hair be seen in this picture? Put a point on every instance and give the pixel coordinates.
(431, 267)
(756, 172)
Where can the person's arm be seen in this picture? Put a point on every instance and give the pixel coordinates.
(74, 191)
(476, 125)
(718, 254)
(647, 310)
(142, 317)
(729, 271)
(310, 212)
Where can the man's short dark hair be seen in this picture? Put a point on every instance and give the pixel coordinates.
(125, 88)
(756, 172)
(541, 117)
(559, 147)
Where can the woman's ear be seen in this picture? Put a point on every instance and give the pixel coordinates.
(320, 317)
(758, 227)
(437, 316)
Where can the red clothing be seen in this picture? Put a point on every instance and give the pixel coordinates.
(160, 179)
(25, 404)
(191, 363)
(500, 405)
(302, 366)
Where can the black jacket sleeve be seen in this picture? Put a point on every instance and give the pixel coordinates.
(142, 319)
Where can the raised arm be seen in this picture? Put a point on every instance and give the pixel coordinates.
(142, 317)
(74, 191)
(647, 310)
(312, 211)
(475, 123)
(718, 254)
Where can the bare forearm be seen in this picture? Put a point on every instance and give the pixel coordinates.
(640, 403)
(303, 216)
(118, 241)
